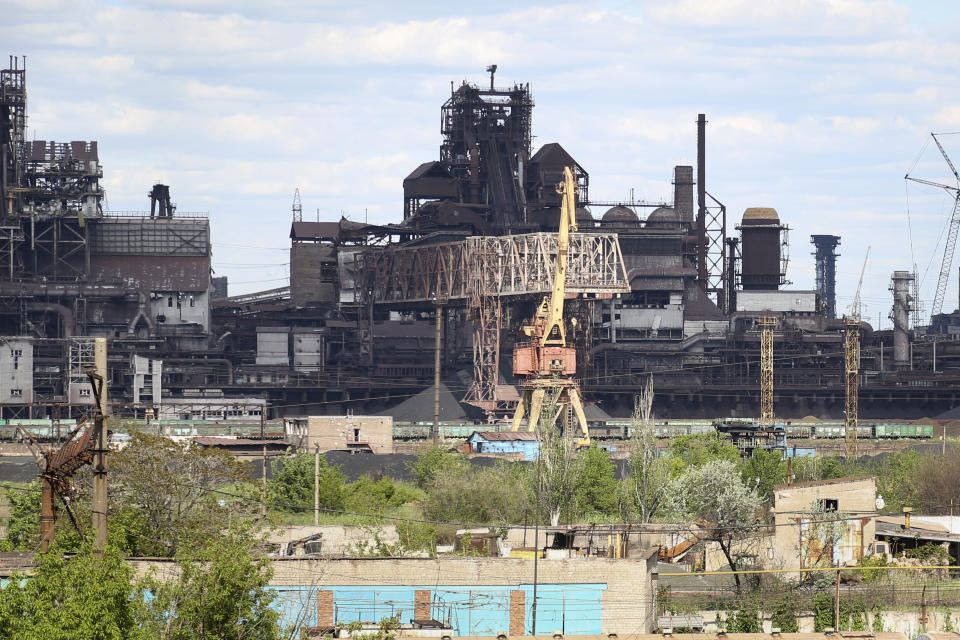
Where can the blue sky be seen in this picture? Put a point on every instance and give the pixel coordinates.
(816, 107)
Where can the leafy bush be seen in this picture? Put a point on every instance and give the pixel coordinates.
(873, 561)
(291, 486)
(418, 536)
(435, 462)
(930, 554)
(23, 525)
(784, 616)
(366, 495)
(746, 619)
(496, 495)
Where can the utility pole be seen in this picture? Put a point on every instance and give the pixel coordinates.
(98, 382)
(263, 473)
(316, 484)
(836, 604)
(437, 365)
(536, 544)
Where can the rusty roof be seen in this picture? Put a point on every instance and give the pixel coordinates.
(505, 436)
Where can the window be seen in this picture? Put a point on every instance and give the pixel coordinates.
(828, 504)
(86, 393)
(169, 301)
(16, 393)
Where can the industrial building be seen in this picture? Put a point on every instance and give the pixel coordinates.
(669, 289)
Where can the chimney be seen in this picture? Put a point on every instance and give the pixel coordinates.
(683, 193)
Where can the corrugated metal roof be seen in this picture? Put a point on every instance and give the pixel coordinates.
(504, 436)
(823, 483)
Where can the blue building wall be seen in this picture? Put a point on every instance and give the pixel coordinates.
(470, 609)
(528, 448)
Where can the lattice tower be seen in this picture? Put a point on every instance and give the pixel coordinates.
(767, 325)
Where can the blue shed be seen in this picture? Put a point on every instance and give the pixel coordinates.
(524, 442)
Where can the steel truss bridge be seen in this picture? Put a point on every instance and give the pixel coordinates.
(479, 272)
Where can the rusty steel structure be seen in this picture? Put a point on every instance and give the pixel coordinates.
(657, 289)
(504, 266)
(767, 325)
(851, 349)
(482, 271)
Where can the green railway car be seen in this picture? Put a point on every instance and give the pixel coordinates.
(901, 430)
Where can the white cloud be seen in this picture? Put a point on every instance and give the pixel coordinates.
(793, 17)
(814, 107)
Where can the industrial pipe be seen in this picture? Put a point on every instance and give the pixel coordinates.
(65, 314)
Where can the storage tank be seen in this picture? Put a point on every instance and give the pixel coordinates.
(760, 232)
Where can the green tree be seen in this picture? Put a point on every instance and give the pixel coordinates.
(220, 593)
(697, 449)
(23, 525)
(714, 494)
(434, 462)
(169, 493)
(648, 472)
(81, 596)
(596, 488)
(290, 487)
(765, 470)
(492, 495)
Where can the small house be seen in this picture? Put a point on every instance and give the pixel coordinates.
(525, 443)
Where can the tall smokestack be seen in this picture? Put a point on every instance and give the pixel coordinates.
(825, 264)
(683, 193)
(702, 201)
(902, 304)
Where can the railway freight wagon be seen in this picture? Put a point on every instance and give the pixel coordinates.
(879, 431)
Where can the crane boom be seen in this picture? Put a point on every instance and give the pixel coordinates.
(931, 183)
(946, 157)
(947, 263)
(855, 307)
(554, 333)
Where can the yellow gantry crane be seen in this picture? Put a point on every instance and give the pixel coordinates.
(546, 362)
(767, 325)
(851, 368)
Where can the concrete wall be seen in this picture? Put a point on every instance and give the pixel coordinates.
(16, 371)
(478, 596)
(795, 545)
(308, 349)
(181, 307)
(273, 345)
(581, 596)
(788, 301)
(336, 432)
(313, 273)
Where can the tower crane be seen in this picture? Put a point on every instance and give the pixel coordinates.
(851, 358)
(946, 263)
(547, 362)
